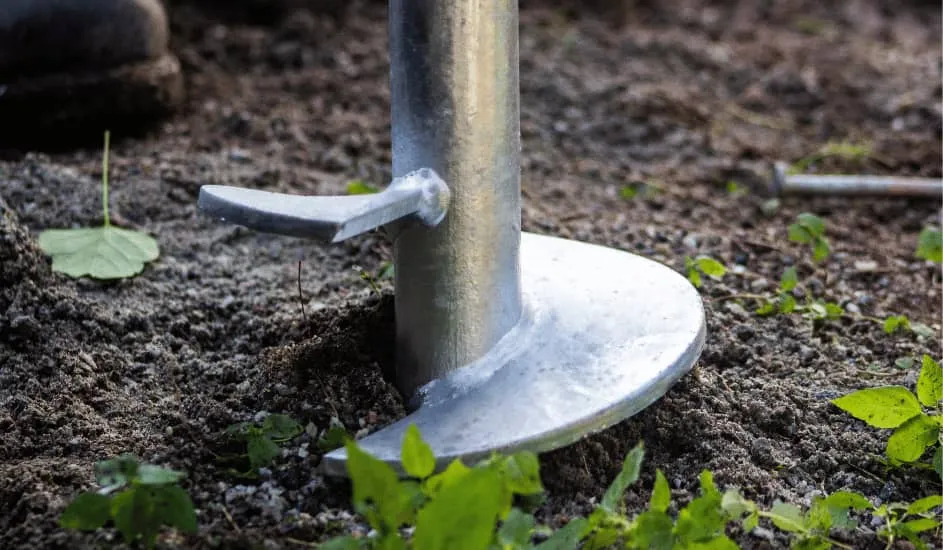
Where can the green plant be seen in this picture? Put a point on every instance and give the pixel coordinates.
(458, 508)
(845, 150)
(734, 189)
(636, 189)
(334, 436)
(908, 520)
(930, 245)
(360, 187)
(810, 229)
(105, 252)
(262, 440)
(703, 264)
(137, 498)
(473, 508)
(784, 301)
(895, 407)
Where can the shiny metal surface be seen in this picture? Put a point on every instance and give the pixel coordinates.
(604, 334)
(454, 83)
(814, 184)
(421, 194)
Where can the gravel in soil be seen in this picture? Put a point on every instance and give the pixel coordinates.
(675, 101)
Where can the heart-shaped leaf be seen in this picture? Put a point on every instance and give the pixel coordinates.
(105, 252)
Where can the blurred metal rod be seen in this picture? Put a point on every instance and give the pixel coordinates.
(783, 183)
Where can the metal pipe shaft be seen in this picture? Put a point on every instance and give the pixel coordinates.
(455, 109)
(813, 184)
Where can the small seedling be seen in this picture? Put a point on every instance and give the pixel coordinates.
(845, 150)
(105, 252)
(734, 189)
(784, 302)
(810, 229)
(895, 407)
(930, 245)
(334, 436)
(262, 440)
(137, 498)
(360, 187)
(366, 277)
(703, 265)
(908, 520)
(639, 189)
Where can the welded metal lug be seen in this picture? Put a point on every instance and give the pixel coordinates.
(330, 218)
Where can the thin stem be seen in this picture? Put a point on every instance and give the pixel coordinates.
(301, 296)
(105, 180)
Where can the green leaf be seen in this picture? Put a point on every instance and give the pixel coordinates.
(711, 267)
(812, 223)
(116, 473)
(820, 516)
(937, 461)
(463, 515)
(451, 475)
(925, 504)
(281, 426)
(694, 277)
(848, 499)
(703, 518)
(766, 309)
(789, 280)
(800, 234)
(346, 542)
(173, 507)
(923, 330)
(896, 322)
(360, 187)
(814, 542)
(522, 472)
(418, 459)
(720, 542)
(653, 530)
(904, 363)
(106, 252)
(787, 304)
(884, 407)
(133, 513)
(820, 249)
(629, 475)
(930, 383)
(922, 524)
(787, 517)
(833, 311)
(930, 245)
(148, 474)
(516, 529)
(334, 437)
(661, 493)
(375, 486)
(628, 192)
(262, 451)
(566, 538)
(87, 512)
(909, 442)
(735, 504)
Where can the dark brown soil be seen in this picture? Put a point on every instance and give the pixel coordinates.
(683, 99)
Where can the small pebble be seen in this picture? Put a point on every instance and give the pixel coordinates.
(759, 285)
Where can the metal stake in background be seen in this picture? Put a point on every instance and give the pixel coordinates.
(505, 341)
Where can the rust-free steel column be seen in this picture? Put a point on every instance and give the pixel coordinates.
(455, 109)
